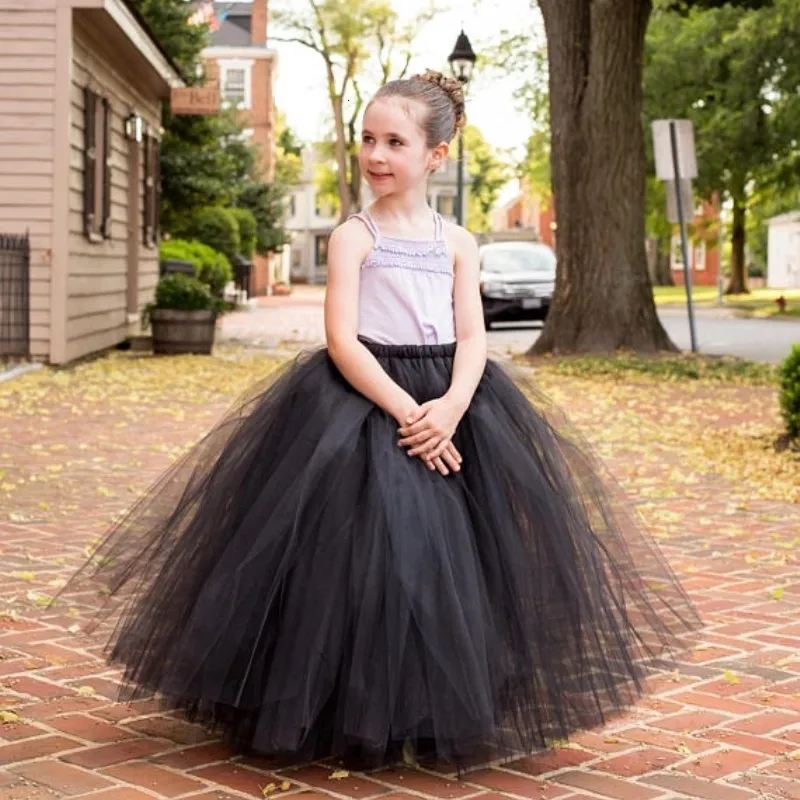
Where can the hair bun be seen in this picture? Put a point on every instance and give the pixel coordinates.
(452, 88)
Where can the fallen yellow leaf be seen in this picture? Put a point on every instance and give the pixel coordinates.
(730, 677)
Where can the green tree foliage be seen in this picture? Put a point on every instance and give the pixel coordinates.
(210, 266)
(592, 80)
(267, 203)
(216, 227)
(789, 392)
(732, 70)
(205, 161)
(248, 231)
(288, 154)
(361, 44)
(169, 21)
(489, 174)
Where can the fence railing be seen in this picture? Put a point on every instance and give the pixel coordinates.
(15, 274)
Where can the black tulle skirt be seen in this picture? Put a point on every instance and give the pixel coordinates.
(303, 586)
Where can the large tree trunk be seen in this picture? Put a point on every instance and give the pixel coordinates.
(341, 158)
(355, 182)
(663, 271)
(738, 284)
(603, 299)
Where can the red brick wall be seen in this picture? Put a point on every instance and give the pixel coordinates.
(262, 114)
(703, 228)
(260, 15)
(547, 217)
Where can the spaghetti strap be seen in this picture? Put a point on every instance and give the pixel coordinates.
(438, 234)
(366, 218)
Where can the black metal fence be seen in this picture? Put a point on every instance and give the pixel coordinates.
(15, 275)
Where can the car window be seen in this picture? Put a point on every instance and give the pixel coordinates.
(518, 259)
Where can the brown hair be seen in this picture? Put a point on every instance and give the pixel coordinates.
(443, 98)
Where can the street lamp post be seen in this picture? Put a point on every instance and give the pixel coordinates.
(462, 60)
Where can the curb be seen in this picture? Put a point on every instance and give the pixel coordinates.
(20, 369)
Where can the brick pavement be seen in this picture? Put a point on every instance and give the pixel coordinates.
(722, 724)
(277, 322)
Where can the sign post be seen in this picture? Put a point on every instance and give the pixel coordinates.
(673, 143)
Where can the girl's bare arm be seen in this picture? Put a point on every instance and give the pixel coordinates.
(348, 247)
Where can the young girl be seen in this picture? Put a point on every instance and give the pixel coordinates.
(387, 551)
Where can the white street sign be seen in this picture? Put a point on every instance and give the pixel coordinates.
(662, 149)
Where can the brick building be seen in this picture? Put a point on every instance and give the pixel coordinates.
(240, 60)
(527, 212)
(704, 261)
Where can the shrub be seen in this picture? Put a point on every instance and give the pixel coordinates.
(267, 203)
(217, 227)
(248, 229)
(210, 266)
(789, 391)
(180, 293)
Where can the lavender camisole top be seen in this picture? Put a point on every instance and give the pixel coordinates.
(406, 289)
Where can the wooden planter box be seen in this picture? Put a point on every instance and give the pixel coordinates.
(178, 332)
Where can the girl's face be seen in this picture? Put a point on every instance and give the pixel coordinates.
(394, 157)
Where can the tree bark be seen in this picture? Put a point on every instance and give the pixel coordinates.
(738, 284)
(663, 273)
(603, 299)
(341, 158)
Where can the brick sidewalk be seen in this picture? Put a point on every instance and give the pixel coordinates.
(724, 724)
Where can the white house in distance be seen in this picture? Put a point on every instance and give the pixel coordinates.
(310, 220)
(783, 251)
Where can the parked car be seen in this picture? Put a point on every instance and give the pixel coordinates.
(517, 281)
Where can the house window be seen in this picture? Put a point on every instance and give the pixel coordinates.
(97, 120)
(700, 256)
(292, 206)
(321, 250)
(151, 176)
(236, 82)
(445, 205)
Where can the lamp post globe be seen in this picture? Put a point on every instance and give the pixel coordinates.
(462, 60)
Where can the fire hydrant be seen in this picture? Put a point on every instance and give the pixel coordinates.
(781, 301)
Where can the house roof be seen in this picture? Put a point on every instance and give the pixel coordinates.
(792, 216)
(235, 25)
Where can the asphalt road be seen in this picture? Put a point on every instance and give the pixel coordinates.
(717, 334)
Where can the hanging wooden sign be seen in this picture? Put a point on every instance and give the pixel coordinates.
(201, 100)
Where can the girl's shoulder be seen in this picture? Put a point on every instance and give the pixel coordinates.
(461, 241)
(351, 239)
(353, 231)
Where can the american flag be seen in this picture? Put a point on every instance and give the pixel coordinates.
(205, 14)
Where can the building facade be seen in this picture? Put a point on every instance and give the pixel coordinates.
(783, 251)
(703, 246)
(240, 61)
(80, 123)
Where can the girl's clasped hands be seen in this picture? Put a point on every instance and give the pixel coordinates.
(427, 432)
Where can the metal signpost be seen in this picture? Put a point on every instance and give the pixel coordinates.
(676, 164)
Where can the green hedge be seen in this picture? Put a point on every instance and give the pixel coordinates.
(210, 266)
(789, 391)
(215, 226)
(247, 231)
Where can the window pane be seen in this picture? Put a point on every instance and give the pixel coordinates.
(100, 167)
(234, 88)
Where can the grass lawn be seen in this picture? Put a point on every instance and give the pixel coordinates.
(759, 303)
